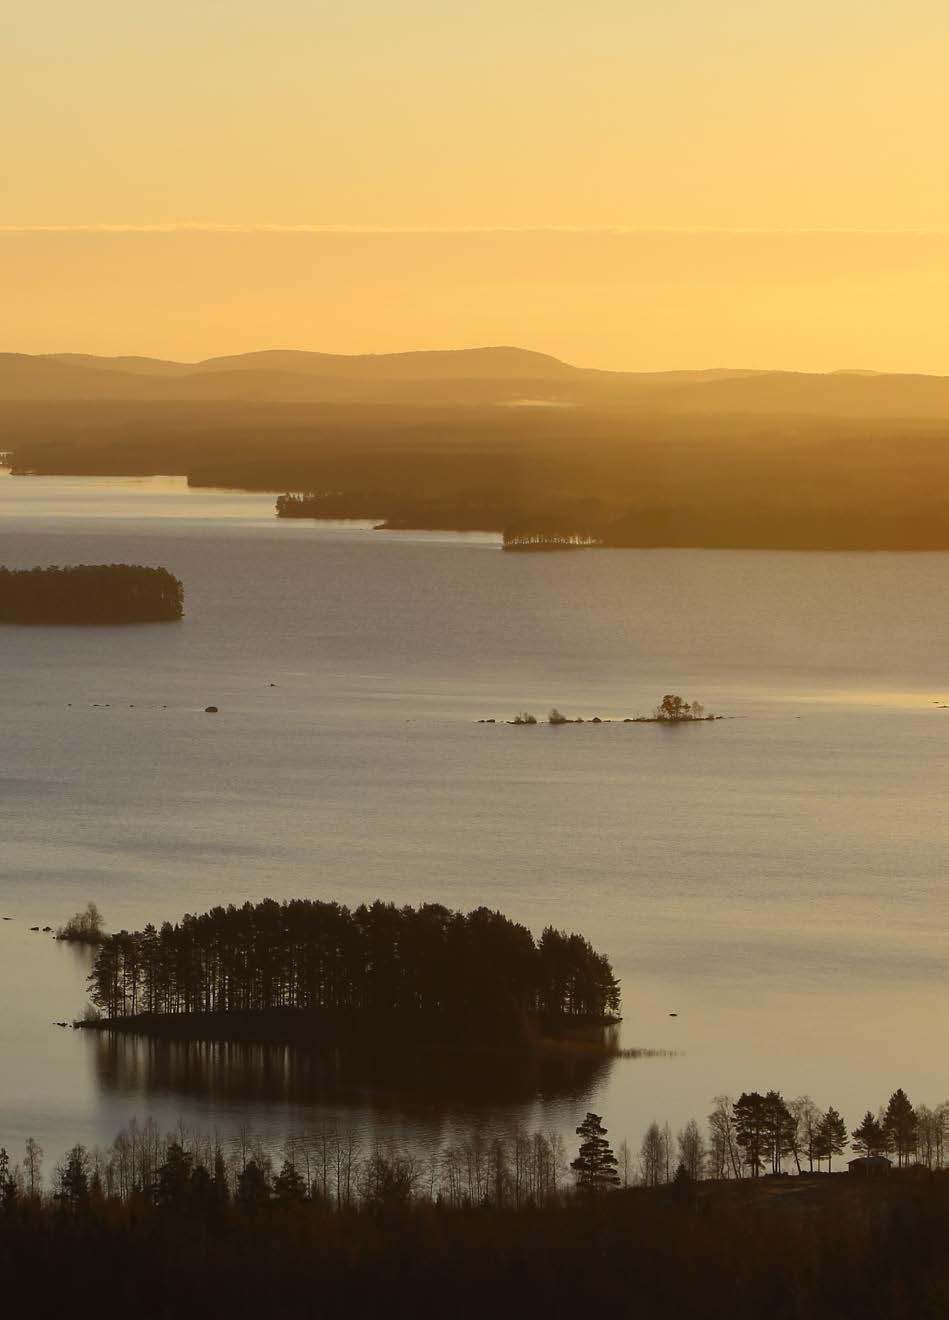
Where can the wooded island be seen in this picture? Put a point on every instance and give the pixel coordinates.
(311, 970)
(90, 594)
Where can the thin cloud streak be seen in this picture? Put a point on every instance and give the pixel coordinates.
(189, 227)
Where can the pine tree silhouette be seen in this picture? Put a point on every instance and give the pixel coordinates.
(595, 1165)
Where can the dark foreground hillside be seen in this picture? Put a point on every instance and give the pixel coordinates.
(804, 1249)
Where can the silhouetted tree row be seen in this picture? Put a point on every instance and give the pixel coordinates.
(764, 1133)
(332, 504)
(329, 1166)
(537, 535)
(90, 593)
(903, 1131)
(332, 1166)
(181, 1226)
(569, 525)
(378, 959)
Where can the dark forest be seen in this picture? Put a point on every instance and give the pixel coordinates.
(165, 1230)
(767, 477)
(90, 594)
(374, 961)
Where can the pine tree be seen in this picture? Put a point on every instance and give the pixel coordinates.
(252, 1187)
(751, 1128)
(74, 1177)
(219, 1181)
(595, 1165)
(900, 1126)
(779, 1130)
(174, 1176)
(831, 1137)
(289, 1185)
(869, 1136)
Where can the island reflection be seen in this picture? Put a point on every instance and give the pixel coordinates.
(236, 1073)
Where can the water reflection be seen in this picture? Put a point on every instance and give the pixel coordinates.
(230, 1074)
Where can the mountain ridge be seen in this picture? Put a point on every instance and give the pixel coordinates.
(465, 377)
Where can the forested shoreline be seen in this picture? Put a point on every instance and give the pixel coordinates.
(542, 521)
(632, 476)
(90, 594)
(302, 968)
(329, 1224)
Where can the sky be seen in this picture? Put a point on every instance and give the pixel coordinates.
(758, 161)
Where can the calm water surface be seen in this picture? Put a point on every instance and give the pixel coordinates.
(778, 879)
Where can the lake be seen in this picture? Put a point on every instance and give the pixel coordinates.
(777, 879)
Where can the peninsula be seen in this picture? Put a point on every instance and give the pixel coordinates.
(546, 455)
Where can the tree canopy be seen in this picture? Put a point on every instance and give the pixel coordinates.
(869, 1137)
(900, 1125)
(90, 594)
(307, 954)
(595, 1165)
(84, 928)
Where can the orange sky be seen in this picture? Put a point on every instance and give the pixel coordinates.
(509, 114)
(639, 301)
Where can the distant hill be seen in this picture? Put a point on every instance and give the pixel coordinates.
(838, 394)
(449, 364)
(720, 458)
(466, 377)
(138, 366)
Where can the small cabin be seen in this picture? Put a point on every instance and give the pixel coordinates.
(870, 1164)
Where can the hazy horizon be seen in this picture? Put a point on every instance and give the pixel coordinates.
(620, 300)
(710, 368)
(630, 187)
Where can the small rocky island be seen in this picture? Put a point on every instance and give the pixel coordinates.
(90, 594)
(672, 709)
(84, 928)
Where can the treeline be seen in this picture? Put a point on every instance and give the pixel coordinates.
(329, 1166)
(459, 510)
(537, 520)
(331, 504)
(561, 539)
(755, 1135)
(727, 526)
(90, 594)
(763, 1134)
(335, 1231)
(375, 960)
(630, 477)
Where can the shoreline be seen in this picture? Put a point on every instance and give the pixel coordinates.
(526, 1036)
